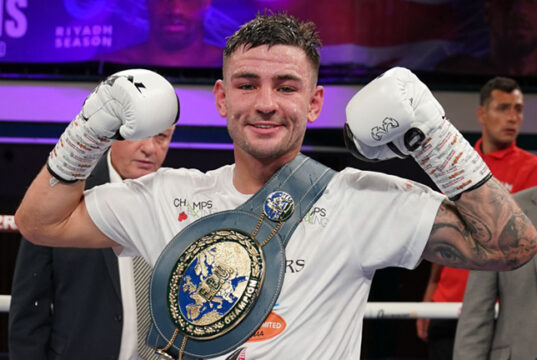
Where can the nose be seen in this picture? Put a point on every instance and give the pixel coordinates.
(265, 103)
(514, 116)
(177, 6)
(147, 146)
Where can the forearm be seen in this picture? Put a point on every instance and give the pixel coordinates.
(487, 231)
(132, 104)
(429, 291)
(481, 227)
(46, 209)
(432, 284)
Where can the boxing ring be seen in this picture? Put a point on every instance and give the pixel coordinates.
(374, 310)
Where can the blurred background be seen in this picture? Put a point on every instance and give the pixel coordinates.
(52, 53)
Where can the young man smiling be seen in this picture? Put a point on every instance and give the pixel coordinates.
(269, 93)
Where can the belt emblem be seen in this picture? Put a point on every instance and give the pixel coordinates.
(215, 283)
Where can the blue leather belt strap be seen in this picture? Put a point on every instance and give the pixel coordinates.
(305, 180)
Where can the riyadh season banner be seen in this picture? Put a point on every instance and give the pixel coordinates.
(438, 35)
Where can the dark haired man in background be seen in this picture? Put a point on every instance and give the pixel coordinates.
(500, 114)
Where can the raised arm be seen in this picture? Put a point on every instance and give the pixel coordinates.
(485, 229)
(481, 227)
(132, 104)
(56, 215)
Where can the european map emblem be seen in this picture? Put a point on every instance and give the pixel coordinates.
(215, 283)
(278, 206)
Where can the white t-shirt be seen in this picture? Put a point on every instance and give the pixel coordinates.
(364, 221)
(128, 349)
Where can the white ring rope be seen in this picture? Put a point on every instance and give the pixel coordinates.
(373, 310)
(4, 303)
(412, 310)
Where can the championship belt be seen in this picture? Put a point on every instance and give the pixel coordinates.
(218, 279)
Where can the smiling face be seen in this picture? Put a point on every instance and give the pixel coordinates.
(268, 95)
(500, 119)
(135, 158)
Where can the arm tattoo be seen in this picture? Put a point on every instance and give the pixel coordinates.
(485, 229)
(515, 241)
(451, 238)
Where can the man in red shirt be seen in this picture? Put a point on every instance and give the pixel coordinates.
(500, 115)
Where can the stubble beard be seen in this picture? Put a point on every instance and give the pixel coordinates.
(261, 152)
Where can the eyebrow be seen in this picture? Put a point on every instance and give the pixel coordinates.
(244, 75)
(249, 75)
(288, 77)
(509, 104)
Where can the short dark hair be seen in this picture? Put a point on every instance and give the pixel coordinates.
(277, 29)
(504, 84)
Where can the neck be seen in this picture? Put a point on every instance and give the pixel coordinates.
(488, 147)
(184, 55)
(251, 173)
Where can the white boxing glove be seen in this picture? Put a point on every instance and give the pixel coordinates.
(396, 115)
(390, 116)
(131, 104)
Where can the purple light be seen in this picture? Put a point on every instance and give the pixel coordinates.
(204, 146)
(35, 141)
(59, 102)
(173, 145)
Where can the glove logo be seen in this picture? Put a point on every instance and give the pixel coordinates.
(112, 79)
(378, 132)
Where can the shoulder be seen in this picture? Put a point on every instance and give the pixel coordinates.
(183, 177)
(196, 175)
(526, 156)
(527, 196)
(527, 200)
(132, 54)
(379, 192)
(524, 165)
(373, 181)
(521, 152)
(147, 53)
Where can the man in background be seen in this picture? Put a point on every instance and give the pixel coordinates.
(268, 94)
(80, 303)
(500, 114)
(512, 336)
(176, 37)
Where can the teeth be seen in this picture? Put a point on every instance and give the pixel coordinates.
(263, 126)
